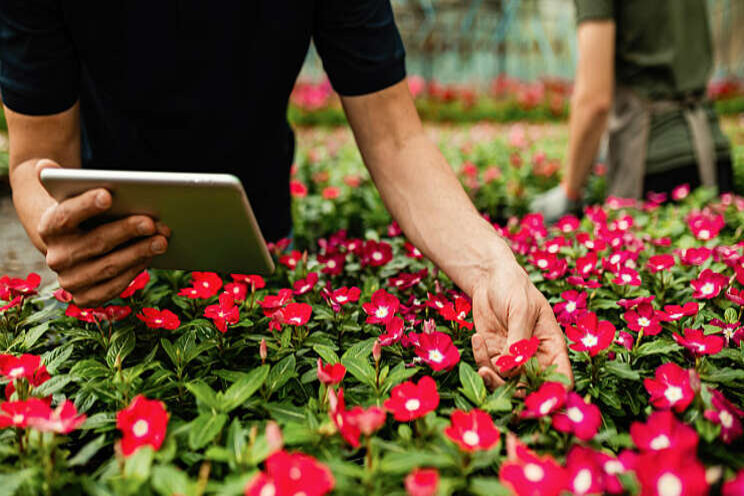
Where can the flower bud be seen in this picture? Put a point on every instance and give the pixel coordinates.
(274, 436)
(262, 351)
(377, 351)
(429, 326)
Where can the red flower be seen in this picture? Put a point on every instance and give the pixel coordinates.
(739, 269)
(296, 314)
(223, 313)
(344, 295)
(252, 280)
(412, 251)
(531, 475)
(291, 259)
(18, 413)
(330, 373)
(410, 401)
(670, 388)
(11, 288)
(699, 343)
(708, 285)
(367, 420)
(627, 276)
(272, 303)
(334, 263)
(437, 350)
(137, 283)
(142, 423)
(423, 482)
(625, 339)
(15, 302)
(382, 308)
(340, 417)
(331, 192)
(547, 399)
(585, 475)
(583, 419)
(658, 263)
(735, 486)
(643, 319)
(291, 474)
(472, 431)
(393, 332)
(62, 420)
(694, 256)
(705, 226)
(676, 312)
(663, 431)
(519, 353)
(586, 266)
(115, 313)
(159, 319)
(82, 314)
(591, 335)
(725, 414)
(458, 312)
(670, 472)
(237, 290)
(574, 306)
(376, 254)
(203, 285)
(297, 189)
(403, 280)
(62, 296)
(26, 366)
(735, 296)
(302, 286)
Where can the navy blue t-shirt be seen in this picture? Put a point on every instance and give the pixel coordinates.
(189, 85)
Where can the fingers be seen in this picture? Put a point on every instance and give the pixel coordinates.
(66, 216)
(112, 265)
(483, 360)
(99, 241)
(96, 295)
(521, 319)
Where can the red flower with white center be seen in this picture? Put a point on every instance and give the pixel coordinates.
(412, 251)
(355, 246)
(591, 244)
(437, 302)
(571, 308)
(613, 466)
(272, 303)
(472, 431)
(26, 366)
(13, 287)
(291, 259)
(590, 334)
(376, 254)
(296, 314)
(331, 192)
(699, 343)
(62, 420)
(207, 284)
(626, 276)
(223, 313)
(625, 339)
(297, 189)
(18, 413)
(708, 285)
(142, 423)
(557, 270)
(585, 475)
(705, 226)
(394, 230)
(550, 397)
(81, 314)
(694, 256)
(339, 415)
(725, 414)
(458, 312)
(137, 283)
(254, 281)
(735, 486)
(731, 332)
(617, 260)
(382, 308)
(422, 482)
(531, 475)
(554, 245)
(302, 286)
(333, 263)
(670, 473)
(393, 332)
(367, 420)
(159, 319)
(568, 224)
(586, 265)
(62, 296)
(680, 192)
(676, 312)
(634, 302)
(237, 290)
(519, 353)
(583, 419)
(663, 431)
(543, 260)
(437, 350)
(670, 388)
(330, 373)
(739, 269)
(115, 313)
(735, 296)
(344, 295)
(403, 280)
(409, 401)
(658, 263)
(643, 319)
(291, 474)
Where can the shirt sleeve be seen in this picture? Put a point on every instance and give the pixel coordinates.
(359, 44)
(587, 10)
(39, 68)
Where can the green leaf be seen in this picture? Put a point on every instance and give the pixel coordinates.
(286, 412)
(402, 462)
(53, 385)
(326, 353)
(499, 400)
(726, 376)
(244, 388)
(472, 384)
(10, 483)
(488, 486)
(33, 335)
(362, 349)
(203, 394)
(167, 481)
(137, 465)
(88, 451)
(622, 370)
(398, 374)
(205, 428)
(56, 358)
(360, 368)
(281, 373)
(171, 351)
(122, 344)
(660, 346)
(89, 369)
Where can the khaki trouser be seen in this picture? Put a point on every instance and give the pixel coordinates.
(629, 127)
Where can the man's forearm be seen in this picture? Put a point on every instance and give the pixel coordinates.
(586, 126)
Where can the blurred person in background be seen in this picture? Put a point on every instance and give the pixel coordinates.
(642, 74)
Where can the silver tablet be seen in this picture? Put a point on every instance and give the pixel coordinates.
(212, 224)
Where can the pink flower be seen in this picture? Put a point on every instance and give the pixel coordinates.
(330, 373)
(680, 192)
(302, 286)
(663, 431)
(725, 414)
(409, 401)
(708, 284)
(585, 475)
(437, 350)
(472, 431)
(670, 472)
(62, 295)
(699, 343)
(739, 269)
(583, 419)
(519, 353)
(643, 319)
(705, 226)
(159, 319)
(671, 387)
(574, 306)
(549, 398)
(568, 224)
(62, 420)
(634, 302)
(658, 263)
(590, 334)
(382, 308)
(367, 420)
(291, 473)
(412, 251)
(422, 482)
(735, 296)
(223, 313)
(531, 475)
(694, 256)
(676, 312)
(627, 276)
(137, 283)
(613, 466)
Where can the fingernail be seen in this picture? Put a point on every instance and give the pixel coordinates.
(158, 246)
(102, 199)
(143, 228)
(163, 229)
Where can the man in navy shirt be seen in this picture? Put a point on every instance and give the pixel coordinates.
(185, 85)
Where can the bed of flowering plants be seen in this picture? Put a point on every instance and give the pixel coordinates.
(350, 370)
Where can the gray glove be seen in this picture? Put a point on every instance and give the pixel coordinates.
(554, 204)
